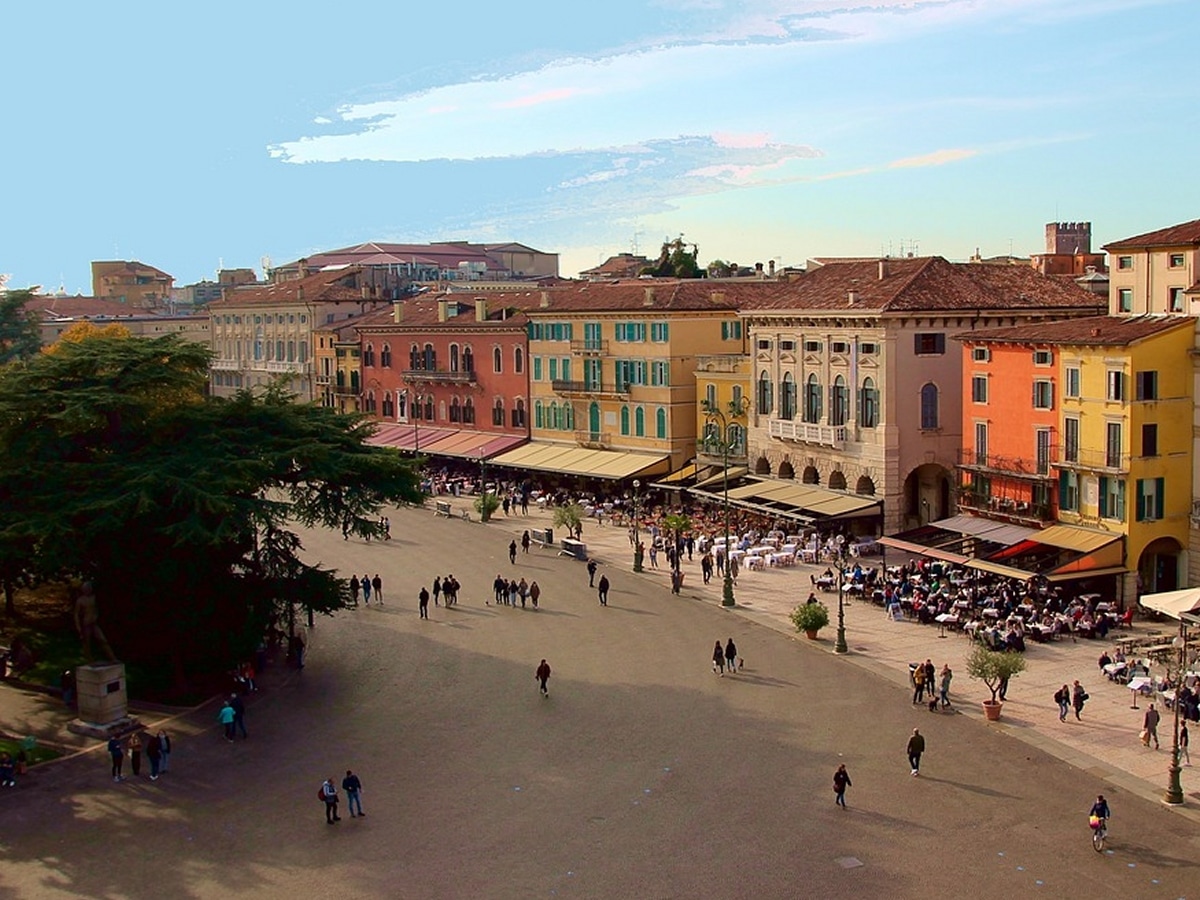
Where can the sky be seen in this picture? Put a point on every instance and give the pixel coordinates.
(191, 136)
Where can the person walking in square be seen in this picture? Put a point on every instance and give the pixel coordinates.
(731, 656)
(1183, 744)
(1078, 697)
(423, 602)
(135, 754)
(534, 593)
(225, 717)
(718, 659)
(239, 715)
(525, 542)
(437, 588)
(918, 680)
(116, 752)
(591, 570)
(543, 676)
(1063, 698)
(841, 781)
(154, 754)
(366, 589)
(354, 590)
(353, 788)
(1150, 726)
(329, 794)
(602, 590)
(512, 552)
(377, 584)
(916, 746)
(944, 691)
(164, 742)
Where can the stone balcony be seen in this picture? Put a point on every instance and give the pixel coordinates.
(808, 433)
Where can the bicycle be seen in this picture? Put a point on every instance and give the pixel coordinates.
(1099, 833)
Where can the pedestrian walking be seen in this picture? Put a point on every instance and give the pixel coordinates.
(116, 752)
(450, 588)
(387, 528)
(377, 585)
(1183, 744)
(543, 675)
(512, 552)
(918, 680)
(1150, 726)
(1063, 698)
(354, 590)
(366, 589)
(225, 717)
(154, 754)
(239, 715)
(525, 542)
(706, 567)
(916, 746)
(602, 590)
(718, 660)
(534, 593)
(505, 504)
(654, 556)
(676, 581)
(522, 591)
(591, 570)
(944, 690)
(329, 795)
(513, 586)
(1078, 697)
(841, 781)
(164, 742)
(135, 754)
(352, 785)
(731, 656)
(423, 602)
(1002, 690)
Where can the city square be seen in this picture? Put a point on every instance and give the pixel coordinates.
(642, 774)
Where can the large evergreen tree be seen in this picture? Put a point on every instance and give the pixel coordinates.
(19, 335)
(116, 467)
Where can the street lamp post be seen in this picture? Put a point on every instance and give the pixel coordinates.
(484, 512)
(1174, 794)
(725, 441)
(839, 550)
(637, 543)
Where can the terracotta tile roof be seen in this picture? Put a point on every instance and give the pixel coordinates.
(324, 287)
(503, 311)
(623, 265)
(51, 307)
(1172, 236)
(1092, 331)
(663, 294)
(924, 283)
(446, 255)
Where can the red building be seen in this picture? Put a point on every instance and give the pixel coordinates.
(447, 377)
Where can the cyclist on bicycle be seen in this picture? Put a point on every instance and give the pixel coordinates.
(1100, 811)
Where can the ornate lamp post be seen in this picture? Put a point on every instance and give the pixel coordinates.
(1174, 794)
(839, 558)
(724, 440)
(637, 541)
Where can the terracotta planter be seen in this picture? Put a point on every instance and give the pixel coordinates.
(811, 634)
(991, 709)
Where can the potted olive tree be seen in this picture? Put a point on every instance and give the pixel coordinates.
(810, 618)
(993, 668)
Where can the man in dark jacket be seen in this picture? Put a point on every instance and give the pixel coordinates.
(602, 589)
(916, 746)
(353, 788)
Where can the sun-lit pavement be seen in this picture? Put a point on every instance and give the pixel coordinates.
(642, 775)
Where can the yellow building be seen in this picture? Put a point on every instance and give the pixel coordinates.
(1157, 272)
(612, 375)
(723, 383)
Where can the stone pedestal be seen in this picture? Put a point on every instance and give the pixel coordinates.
(103, 702)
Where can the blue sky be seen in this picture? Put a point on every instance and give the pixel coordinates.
(186, 135)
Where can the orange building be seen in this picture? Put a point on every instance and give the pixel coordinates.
(1004, 467)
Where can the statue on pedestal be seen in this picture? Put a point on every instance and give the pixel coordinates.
(87, 623)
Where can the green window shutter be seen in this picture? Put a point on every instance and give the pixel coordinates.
(1141, 500)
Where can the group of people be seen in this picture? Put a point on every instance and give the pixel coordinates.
(444, 590)
(232, 717)
(933, 687)
(328, 794)
(157, 748)
(725, 658)
(510, 592)
(366, 584)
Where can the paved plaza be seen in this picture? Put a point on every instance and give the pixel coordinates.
(641, 775)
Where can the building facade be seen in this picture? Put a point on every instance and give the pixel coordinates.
(1157, 272)
(131, 282)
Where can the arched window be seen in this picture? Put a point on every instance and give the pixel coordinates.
(839, 402)
(497, 360)
(812, 400)
(929, 405)
(469, 411)
(468, 359)
(389, 408)
(341, 377)
(429, 407)
(518, 414)
(737, 440)
(303, 349)
(371, 402)
(639, 422)
(455, 410)
(402, 405)
(868, 406)
(625, 420)
(414, 357)
(454, 357)
(569, 416)
(430, 359)
(538, 421)
(354, 380)
(554, 419)
(787, 397)
(764, 394)
(279, 351)
(519, 360)
(660, 422)
(368, 358)
(291, 350)
(385, 356)
(710, 396)
(498, 412)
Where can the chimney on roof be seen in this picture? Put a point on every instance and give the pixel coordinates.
(365, 291)
(302, 268)
(545, 303)
(771, 267)
(852, 297)
(300, 294)
(224, 293)
(883, 268)
(758, 269)
(480, 309)
(443, 310)
(717, 296)
(648, 300)
(398, 311)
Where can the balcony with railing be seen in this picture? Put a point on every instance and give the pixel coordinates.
(597, 439)
(1006, 509)
(439, 376)
(808, 432)
(590, 347)
(1089, 459)
(712, 456)
(225, 365)
(586, 388)
(1000, 466)
(288, 368)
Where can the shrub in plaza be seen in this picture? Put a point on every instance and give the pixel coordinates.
(486, 504)
(810, 618)
(993, 667)
(569, 517)
(118, 468)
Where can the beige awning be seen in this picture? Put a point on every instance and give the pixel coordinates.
(571, 460)
(1173, 603)
(686, 472)
(996, 569)
(735, 472)
(1071, 537)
